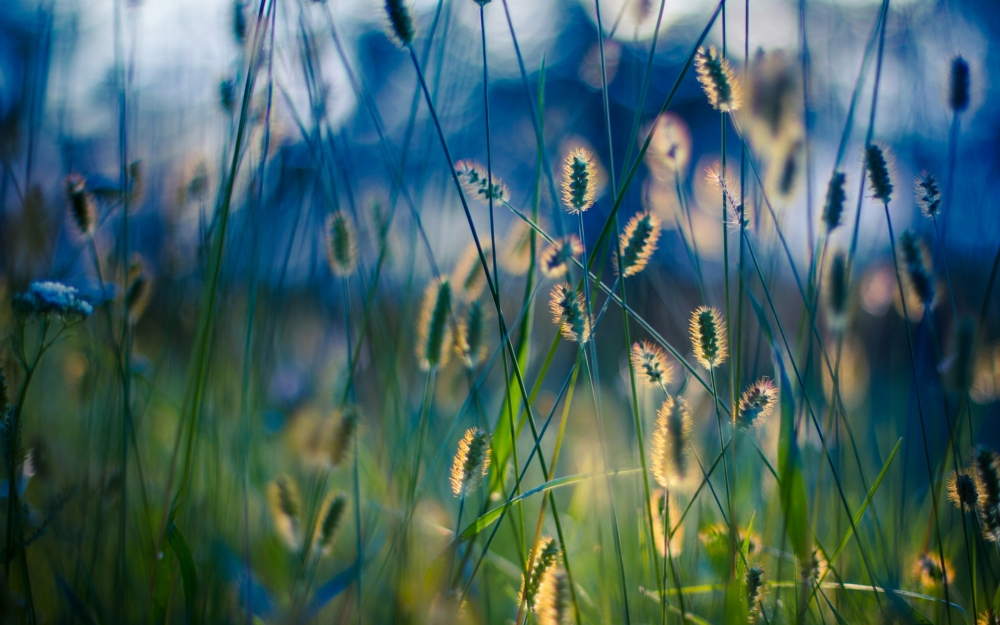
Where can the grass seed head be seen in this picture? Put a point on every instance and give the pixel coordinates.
(475, 181)
(708, 336)
(470, 342)
(515, 256)
(718, 80)
(472, 462)
(833, 209)
(671, 441)
(341, 246)
(879, 179)
(986, 377)
(964, 352)
(400, 21)
(756, 404)
(579, 185)
(546, 558)
(556, 257)
(755, 588)
(987, 468)
(916, 260)
(331, 514)
(468, 275)
(932, 572)
(434, 328)
(139, 292)
(669, 148)
(662, 506)
(638, 242)
(554, 604)
(569, 313)
(286, 507)
(650, 363)
(958, 92)
(81, 204)
(344, 431)
(928, 194)
(837, 289)
(963, 490)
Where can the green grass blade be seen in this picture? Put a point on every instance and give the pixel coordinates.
(189, 576)
(793, 488)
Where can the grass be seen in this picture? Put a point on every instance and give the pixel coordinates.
(195, 461)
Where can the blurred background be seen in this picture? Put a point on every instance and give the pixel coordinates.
(144, 100)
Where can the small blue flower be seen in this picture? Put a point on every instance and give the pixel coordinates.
(52, 298)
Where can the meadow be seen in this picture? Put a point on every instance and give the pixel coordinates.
(475, 312)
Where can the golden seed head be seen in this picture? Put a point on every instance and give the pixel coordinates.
(554, 605)
(475, 181)
(517, 248)
(663, 512)
(718, 80)
(344, 432)
(556, 258)
(671, 441)
(931, 572)
(986, 376)
(139, 292)
(470, 340)
(755, 588)
(579, 185)
(546, 557)
(341, 248)
(669, 147)
(708, 336)
(81, 203)
(963, 490)
(434, 330)
(638, 242)
(468, 276)
(569, 313)
(650, 363)
(331, 514)
(756, 404)
(285, 504)
(472, 462)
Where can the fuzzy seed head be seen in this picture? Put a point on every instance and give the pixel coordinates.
(472, 462)
(708, 336)
(556, 258)
(569, 313)
(987, 468)
(671, 441)
(916, 259)
(638, 242)
(928, 194)
(834, 206)
(341, 248)
(669, 147)
(81, 204)
(986, 379)
(837, 290)
(988, 617)
(958, 92)
(285, 504)
(468, 276)
(470, 342)
(554, 605)
(434, 329)
(963, 490)
(932, 572)
(755, 588)
(139, 292)
(879, 180)
(400, 21)
(546, 558)
(344, 431)
(718, 80)
(331, 514)
(650, 364)
(517, 249)
(475, 181)
(664, 509)
(756, 404)
(579, 185)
